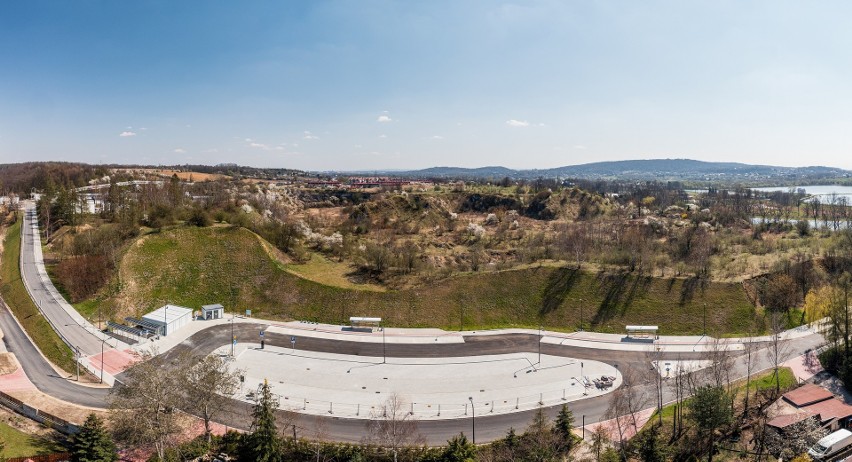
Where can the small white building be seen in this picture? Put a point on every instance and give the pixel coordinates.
(169, 317)
(215, 311)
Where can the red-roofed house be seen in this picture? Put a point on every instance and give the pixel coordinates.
(807, 394)
(811, 401)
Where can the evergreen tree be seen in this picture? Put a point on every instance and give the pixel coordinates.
(93, 443)
(649, 447)
(563, 428)
(459, 449)
(263, 444)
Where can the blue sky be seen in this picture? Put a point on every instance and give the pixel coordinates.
(324, 85)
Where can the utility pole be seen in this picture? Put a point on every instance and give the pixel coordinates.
(705, 319)
(384, 347)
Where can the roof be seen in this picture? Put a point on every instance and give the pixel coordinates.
(834, 438)
(215, 306)
(173, 312)
(831, 409)
(784, 421)
(361, 319)
(641, 327)
(807, 394)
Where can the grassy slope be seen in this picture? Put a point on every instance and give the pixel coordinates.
(20, 444)
(191, 267)
(16, 296)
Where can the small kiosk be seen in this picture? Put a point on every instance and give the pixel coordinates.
(215, 311)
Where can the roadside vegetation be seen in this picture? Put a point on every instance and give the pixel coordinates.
(472, 255)
(18, 300)
(16, 443)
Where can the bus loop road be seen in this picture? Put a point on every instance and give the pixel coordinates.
(352, 430)
(488, 427)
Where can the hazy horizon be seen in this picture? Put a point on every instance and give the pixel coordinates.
(387, 85)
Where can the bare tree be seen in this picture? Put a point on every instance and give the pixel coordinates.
(600, 439)
(750, 347)
(624, 404)
(208, 385)
(145, 406)
(655, 375)
(392, 426)
(778, 349)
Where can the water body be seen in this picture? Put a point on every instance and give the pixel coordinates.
(824, 192)
(814, 224)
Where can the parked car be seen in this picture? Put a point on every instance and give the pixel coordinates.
(831, 445)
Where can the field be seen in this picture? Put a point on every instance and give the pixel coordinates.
(20, 444)
(16, 297)
(195, 266)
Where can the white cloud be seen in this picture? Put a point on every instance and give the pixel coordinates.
(437, 137)
(179, 151)
(517, 123)
(384, 118)
(310, 136)
(383, 136)
(126, 133)
(579, 146)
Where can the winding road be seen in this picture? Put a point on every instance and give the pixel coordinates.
(488, 427)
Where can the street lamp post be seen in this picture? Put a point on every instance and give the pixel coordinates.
(233, 337)
(384, 347)
(705, 319)
(103, 340)
(472, 419)
(539, 343)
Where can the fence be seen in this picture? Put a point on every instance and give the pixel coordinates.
(49, 420)
(574, 389)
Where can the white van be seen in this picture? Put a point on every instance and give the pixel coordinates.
(831, 445)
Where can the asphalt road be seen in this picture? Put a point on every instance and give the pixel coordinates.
(488, 427)
(39, 371)
(73, 334)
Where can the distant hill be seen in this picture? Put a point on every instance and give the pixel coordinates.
(650, 169)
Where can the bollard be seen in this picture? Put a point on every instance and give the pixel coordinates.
(305, 404)
(541, 399)
(492, 407)
(465, 409)
(358, 409)
(516, 402)
(439, 410)
(563, 394)
(412, 409)
(330, 411)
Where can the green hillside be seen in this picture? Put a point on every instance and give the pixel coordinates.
(194, 266)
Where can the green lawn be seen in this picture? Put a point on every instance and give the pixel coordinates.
(195, 266)
(20, 444)
(763, 381)
(15, 294)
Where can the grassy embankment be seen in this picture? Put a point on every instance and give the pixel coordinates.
(20, 444)
(15, 294)
(192, 266)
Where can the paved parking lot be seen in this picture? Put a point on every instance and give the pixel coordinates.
(431, 388)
